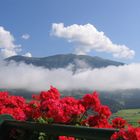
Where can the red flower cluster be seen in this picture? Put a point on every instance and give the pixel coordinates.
(101, 112)
(49, 107)
(130, 134)
(66, 138)
(91, 101)
(119, 123)
(13, 105)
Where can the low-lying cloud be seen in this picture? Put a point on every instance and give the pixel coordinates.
(29, 77)
(87, 38)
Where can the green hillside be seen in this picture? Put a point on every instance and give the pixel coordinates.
(131, 115)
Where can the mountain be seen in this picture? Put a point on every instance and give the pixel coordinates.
(74, 62)
(64, 60)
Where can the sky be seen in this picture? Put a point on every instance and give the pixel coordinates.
(108, 29)
(40, 28)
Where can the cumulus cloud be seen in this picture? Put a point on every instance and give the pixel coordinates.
(23, 76)
(28, 54)
(87, 38)
(25, 36)
(7, 44)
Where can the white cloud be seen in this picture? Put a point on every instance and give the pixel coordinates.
(7, 44)
(7, 52)
(25, 36)
(88, 38)
(81, 64)
(23, 76)
(28, 54)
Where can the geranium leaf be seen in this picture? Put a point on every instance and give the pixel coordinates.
(5, 117)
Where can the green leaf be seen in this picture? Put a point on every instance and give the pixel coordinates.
(50, 120)
(41, 120)
(5, 117)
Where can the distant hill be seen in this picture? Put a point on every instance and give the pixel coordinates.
(114, 104)
(64, 60)
(116, 100)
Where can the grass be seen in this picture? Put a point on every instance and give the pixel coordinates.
(131, 115)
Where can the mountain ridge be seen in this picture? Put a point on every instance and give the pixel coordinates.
(64, 60)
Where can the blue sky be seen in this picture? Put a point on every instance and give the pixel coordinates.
(119, 20)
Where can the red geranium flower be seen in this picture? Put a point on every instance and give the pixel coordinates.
(119, 123)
